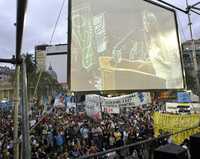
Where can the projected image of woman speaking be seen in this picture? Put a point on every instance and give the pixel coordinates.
(164, 57)
(124, 46)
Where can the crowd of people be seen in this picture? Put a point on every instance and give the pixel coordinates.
(6, 134)
(74, 135)
(62, 135)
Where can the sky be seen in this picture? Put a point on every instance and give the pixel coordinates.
(41, 18)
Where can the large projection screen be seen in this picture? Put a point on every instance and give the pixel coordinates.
(123, 45)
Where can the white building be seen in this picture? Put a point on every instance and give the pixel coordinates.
(54, 57)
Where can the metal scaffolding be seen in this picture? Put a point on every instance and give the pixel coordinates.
(20, 65)
(196, 10)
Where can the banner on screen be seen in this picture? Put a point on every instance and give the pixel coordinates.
(123, 46)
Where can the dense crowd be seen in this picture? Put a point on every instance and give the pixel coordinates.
(6, 135)
(66, 135)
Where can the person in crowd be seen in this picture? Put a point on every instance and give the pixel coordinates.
(118, 137)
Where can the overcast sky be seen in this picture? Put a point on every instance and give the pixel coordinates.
(41, 18)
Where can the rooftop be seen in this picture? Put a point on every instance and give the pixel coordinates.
(5, 70)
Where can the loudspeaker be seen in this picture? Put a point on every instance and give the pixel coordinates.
(194, 146)
(170, 151)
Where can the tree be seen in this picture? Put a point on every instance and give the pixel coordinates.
(46, 82)
(31, 73)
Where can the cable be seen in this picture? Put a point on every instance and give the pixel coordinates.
(52, 35)
(57, 20)
(196, 12)
(195, 4)
(170, 5)
(36, 87)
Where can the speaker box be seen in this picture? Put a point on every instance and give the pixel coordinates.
(170, 151)
(195, 146)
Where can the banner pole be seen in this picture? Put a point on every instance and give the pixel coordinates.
(16, 112)
(26, 147)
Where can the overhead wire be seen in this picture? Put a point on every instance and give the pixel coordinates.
(52, 35)
(196, 12)
(57, 20)
(181, 28)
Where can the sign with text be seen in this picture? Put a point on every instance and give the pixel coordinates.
(131, 100)
(93, 107)
(96, 104)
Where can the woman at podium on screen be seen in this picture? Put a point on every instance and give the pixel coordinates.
(163, 51)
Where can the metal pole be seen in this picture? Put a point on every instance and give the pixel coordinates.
(196, 8)
(13, 61)
(76, 99)
(26, 148)
(168, 4)
(101, 106)
(193, 51)
(21, 12)
(16, 111)
(195, 12)
(195, 4)
(36, 87)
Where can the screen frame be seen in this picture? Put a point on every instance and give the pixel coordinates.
(123, 90)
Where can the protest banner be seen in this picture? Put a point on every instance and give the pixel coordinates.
(112, 105)
(93, 106)
(183, 97)
(182, 107)
(111, 110)
(174, 123)
(131, 100)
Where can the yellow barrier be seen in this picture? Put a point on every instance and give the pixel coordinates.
(174, 123)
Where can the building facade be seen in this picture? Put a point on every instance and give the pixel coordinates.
(187, 54)
(188, 62)
(40, 57)
(53, 59)
(6, 84)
